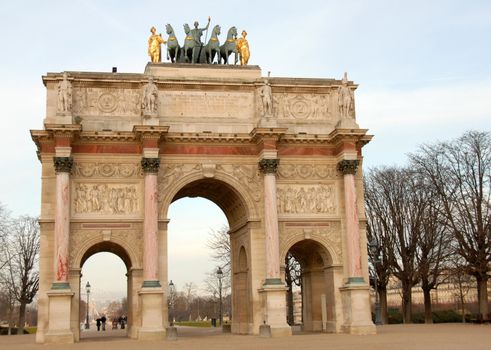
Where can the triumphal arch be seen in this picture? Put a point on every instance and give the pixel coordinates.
(281, 157)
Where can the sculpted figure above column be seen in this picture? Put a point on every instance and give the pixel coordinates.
(64, 96)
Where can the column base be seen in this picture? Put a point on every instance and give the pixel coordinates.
(59, 307)
(151, 300)
(274, 309)
(356, 306)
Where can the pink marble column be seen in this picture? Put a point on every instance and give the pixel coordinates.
(150, 223)
(348, 168)
(63, 166)
(269, 168)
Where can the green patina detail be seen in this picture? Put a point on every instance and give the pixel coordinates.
(60, 285)
(273, 281)
(356, 280)
(151, 284)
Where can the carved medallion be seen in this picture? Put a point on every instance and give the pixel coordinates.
(107, 102)
(299, 107)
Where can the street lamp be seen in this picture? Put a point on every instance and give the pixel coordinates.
(171, 302)
(220, 276)
(87, 289)
(373, 246)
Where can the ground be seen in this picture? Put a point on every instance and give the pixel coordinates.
(393, 337)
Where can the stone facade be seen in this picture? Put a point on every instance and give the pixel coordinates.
(287, 180)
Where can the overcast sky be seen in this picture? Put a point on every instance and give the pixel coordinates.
(423, 69)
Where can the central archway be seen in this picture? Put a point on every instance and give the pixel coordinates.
(237, 205)
(113, 246)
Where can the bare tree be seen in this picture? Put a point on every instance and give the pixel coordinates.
(398, 189)
(379, 237)
(189, 294)
(434, 250)
(219, 244)
(293, 276)
(460, 171)
(22, 276)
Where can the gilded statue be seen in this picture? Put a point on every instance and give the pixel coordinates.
(64, 95)
(243, 49)
(154, 42)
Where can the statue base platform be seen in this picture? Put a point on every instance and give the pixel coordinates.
(178, 71)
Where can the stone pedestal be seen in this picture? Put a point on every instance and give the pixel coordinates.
(59, 305)
(151, 301)
(149, 118)
(274, 303)
(356, 306)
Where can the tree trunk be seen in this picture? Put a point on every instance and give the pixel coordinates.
(427, 303)
(406, 303)
(11, 319)
(22, 318)
(462, 300)
(482, 290)
(383, 306)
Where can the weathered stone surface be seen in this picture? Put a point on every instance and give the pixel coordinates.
(280, 157)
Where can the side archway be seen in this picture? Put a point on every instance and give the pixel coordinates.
(317, 292)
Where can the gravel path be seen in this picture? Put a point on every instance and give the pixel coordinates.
(393, 337)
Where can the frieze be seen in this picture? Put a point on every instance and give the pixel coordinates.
(107, 170)
(106, 199)
(96, 101)
(314, 199)
(301, 106)
(307, 171)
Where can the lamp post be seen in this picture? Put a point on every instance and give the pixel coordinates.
(171, 302)
(376, 260)
(220, 276)
(87, 289)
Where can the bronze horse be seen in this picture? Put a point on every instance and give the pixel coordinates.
(173, 48)
(213, 46)
(229, 47)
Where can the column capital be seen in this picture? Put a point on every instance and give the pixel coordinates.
(269, 166)
(63, 164)
(348, 166)
(150, 165)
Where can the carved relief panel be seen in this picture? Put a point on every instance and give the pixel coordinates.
(302, 106)
(307, 199)
(307, 171)
(110, 101)
(210, 104)
(106, 199)
(106, 189)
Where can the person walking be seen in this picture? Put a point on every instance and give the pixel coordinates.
(103, 321)
(98, 323)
